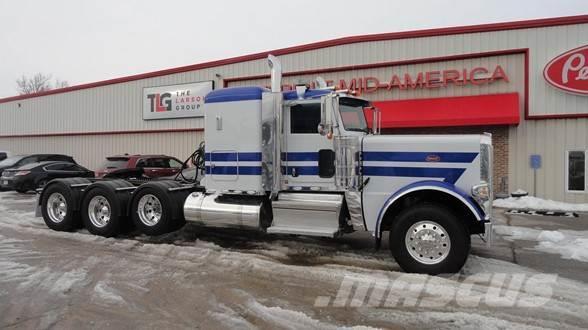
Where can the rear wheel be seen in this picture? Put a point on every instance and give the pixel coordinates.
(101, 212)
(57, 208)
(429, 239)
(151, 211)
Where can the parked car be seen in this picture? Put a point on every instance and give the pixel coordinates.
(4, 154)
(153, 166)
(20, 160)
(35, 175)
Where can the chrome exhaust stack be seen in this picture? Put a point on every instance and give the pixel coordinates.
(276, 73)
(276, 123)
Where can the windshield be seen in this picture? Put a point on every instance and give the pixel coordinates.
(10, 161)
(352, 114)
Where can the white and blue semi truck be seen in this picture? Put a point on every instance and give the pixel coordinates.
(304, 162)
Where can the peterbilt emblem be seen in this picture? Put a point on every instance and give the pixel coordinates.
(433, 158)
(569, 71)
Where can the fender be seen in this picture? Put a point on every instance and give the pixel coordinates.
(445, 187)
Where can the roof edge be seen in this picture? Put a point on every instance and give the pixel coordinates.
(489, 27)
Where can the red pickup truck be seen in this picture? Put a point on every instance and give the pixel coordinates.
(153, 166)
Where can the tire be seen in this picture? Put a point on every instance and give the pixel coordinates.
(438, 242)
(60, 215)
(152, 212)
(101, 211)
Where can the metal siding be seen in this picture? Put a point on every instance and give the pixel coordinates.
(117, 107)
(90, 151)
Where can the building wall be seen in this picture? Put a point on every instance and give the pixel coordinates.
(90, 150)
(117, 107)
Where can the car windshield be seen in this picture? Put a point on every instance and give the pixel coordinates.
(10, 161)
(352, 114)
(115, 162)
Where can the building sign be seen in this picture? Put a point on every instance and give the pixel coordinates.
(406, 81)
(175, 101)
(569, 71)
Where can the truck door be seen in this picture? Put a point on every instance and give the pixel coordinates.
(308, 159)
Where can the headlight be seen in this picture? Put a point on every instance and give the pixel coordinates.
(482, 192)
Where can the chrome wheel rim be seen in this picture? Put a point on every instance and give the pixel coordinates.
(427, 242)
(99, 211)
(56, 207)
(149, 210)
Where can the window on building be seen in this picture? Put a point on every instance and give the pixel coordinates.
(305, 118)
(576, 171)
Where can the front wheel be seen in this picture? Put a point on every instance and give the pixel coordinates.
(429, 239)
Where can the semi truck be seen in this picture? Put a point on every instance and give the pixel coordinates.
(304, 162)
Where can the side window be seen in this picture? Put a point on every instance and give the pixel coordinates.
(141, 163)
(74, 167)
(304, 118)
(2, 156)
(28, 160)
(174, 163)
(160, 162)
(576, 171)
(57, 167)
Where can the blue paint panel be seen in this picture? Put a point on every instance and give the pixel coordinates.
(311, 93)
(233, 156)
(450, 175)
(234, 170)
(300, 156)
(234, 94)
(443, 157)
(301, 170)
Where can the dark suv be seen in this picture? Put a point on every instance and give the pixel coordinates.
(20, 160)
(152, 166)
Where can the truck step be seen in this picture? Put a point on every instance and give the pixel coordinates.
(306, 214)
(321, 232)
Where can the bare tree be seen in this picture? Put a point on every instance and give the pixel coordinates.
(38, 83)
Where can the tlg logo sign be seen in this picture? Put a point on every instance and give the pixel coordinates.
(175, 101)
(569, 71)
(160, 102)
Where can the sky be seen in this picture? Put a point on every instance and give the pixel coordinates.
(86, 41)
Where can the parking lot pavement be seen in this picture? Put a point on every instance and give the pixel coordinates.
(204, 278)
(521, 246)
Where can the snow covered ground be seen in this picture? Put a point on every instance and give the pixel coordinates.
(538, 204)
(569, 244)
(198, 278)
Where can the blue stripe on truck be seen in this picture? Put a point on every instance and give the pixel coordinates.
(234, 170)
(437, 157)
(450, 175)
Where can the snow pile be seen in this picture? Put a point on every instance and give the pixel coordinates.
(570, 244)
(538, 204)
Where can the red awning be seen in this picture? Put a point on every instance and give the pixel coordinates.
(495, 109)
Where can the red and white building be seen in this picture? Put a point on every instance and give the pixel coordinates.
(525, 82)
